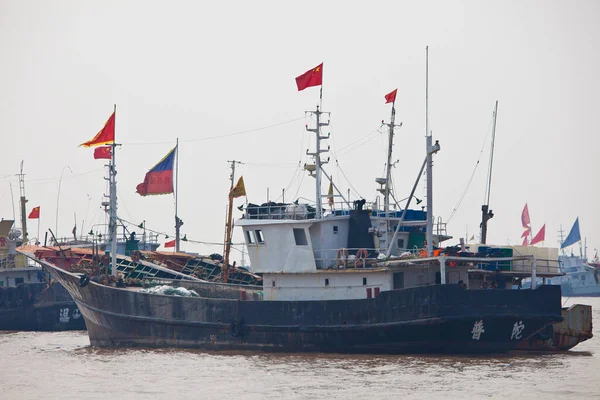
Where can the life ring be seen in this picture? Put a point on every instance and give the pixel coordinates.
(361, 255)
(84, 280)
(340, 252)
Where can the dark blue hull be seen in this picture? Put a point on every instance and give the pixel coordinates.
(437, 318)
(37, 307)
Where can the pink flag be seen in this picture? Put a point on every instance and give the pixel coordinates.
(525, 241)
(526, 233)
(540, 236)
(525, 217)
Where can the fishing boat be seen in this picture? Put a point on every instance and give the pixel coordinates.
(29, 300)
(333, 281)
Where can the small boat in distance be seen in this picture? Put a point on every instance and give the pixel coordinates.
(29, 299)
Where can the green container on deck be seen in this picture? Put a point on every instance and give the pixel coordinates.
(416, 239)
(505, 265)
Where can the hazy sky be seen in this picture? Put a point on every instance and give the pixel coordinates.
(197, 70)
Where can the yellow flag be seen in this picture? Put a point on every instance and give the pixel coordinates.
(239, 189)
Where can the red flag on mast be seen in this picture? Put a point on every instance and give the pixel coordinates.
(312, 77)
(35, 213)
(525, 241)
(391, 96)
(102, 152)
(540, 236)
(525, 217)
(170, 244)
(105, 136)
(526, 233)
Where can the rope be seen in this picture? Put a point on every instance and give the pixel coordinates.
(471, 178)
(219, 136)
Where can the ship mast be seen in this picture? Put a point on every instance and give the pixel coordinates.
(178, 222)
(388, 175)
(431, 150)
(429, 161)
(228, 227)
(23, 201)
(487, 214)
(112, 224)
(317, 166)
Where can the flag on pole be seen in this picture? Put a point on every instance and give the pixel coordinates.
(525, 217)
(159, 180)
(525, 241)
(35, 213)
(330, 194)
(170, 244)
(105, 136)
(574, 235)
(312, 77)
(526, 233)
(102, 152)
(239, 189)
(472, 238)
(391, 96)
(541, 235)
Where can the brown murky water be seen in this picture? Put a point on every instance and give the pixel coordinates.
(63, 365)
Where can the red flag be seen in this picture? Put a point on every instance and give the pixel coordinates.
(313, 77)
(525, 241)
(540, 236)
(102, 152)
(105, 136)
(35, 213)
(170, 244)
(526, 233)
(391, 96)
(525, 217)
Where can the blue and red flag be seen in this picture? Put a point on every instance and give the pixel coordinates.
(159, 180)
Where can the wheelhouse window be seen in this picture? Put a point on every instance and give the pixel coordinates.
(250, 237)
(300, 237)
(400, 243)
(335, 229)
(259, 236)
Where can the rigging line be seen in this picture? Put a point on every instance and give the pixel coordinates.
(298, 167)
(126, 208)
(471, 178)
(45, 180)
(267, 165)
(349, 183)
(362, 140)
(357, 146)
(299, 184)
(218, 136)
(164, 233)
(291, 181)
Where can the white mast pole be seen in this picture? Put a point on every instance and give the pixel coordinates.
(429, 161)
(388, 174)
(486, 214)
(318, 161)
(113, 204)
